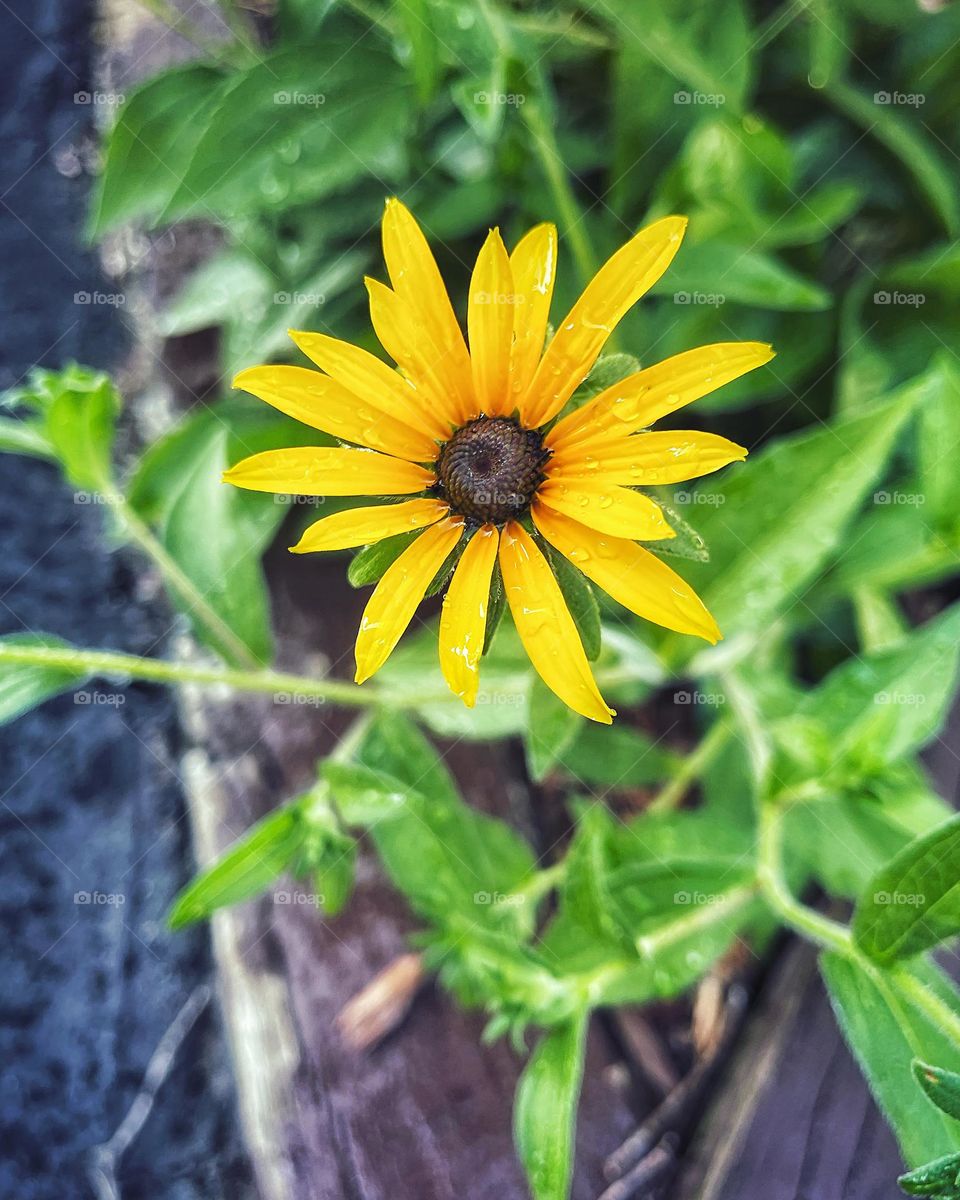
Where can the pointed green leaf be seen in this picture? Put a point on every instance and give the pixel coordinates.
(913, 903)
(942, 1087)
(886, 1032)
(245, 870)
(545, 1109)
(24, 687)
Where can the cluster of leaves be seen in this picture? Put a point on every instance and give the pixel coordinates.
(823, 218)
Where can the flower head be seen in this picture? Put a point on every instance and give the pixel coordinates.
(495, 483)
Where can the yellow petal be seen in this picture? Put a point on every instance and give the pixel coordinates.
(607, 507)
(490, 314)
(646, 458)
(406, 341)
(328, 471)
(533, 265)
(630, 574)
(463, 622)
(363, 526)
(416, 279)
(322, 403)
(547, 630)
(647, 395)
(395, 598)
(365, 375)
(580, 337)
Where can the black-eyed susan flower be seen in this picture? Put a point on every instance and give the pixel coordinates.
(471, 438)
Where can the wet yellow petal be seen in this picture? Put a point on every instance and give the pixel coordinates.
(630, 574)
(647, 458)
(607, 508)
(463, 622)
(395, 598)
(328, 471)
(416, 279)
(367, 376)
(407, 344)
(547, 630)
(322, 403)
(580, 337)
(647, 395)
(363, 526)
(533, 265)
(490, 314)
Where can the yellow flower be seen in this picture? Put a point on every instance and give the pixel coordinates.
(472, 437)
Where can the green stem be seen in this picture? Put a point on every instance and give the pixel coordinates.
(544, 143)
(235, 649)
(831, 935)
(928, 1002)
(103, 662)
(692, 768)
(826, 933)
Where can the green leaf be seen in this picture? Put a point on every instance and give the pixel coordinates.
(881, 707)
(942, 1087)
(907, 140)
(395, 745)
(75, 414)
(729, 271)
(150, 145)
(772, 526)
(416, 19)
(296, 126)
(913, 903)
(449, 860)
(369, 564)
(334, 877)
(81, 427)
(707, 48)
(213, 293)
(886, 1032)
(616, 757)
(938, 442)
(551, 728)
(23, 437)
(687, 543)
(843, 840)
(412, 676)
(546, 1108)
(24, 687)
(938, 1178)
(216, 534)
(245, 870)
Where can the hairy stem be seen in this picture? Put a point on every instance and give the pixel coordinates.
(232, 646)
(831, 935)
(692, 768)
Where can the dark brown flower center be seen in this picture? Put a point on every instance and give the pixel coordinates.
(490, 469)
